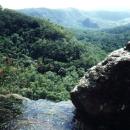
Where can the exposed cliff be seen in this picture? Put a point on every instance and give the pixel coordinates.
(104, 91)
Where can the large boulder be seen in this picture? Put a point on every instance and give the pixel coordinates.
(103, 93)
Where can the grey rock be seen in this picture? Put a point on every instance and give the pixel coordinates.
(103, 93)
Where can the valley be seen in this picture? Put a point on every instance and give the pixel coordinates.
(43, 55)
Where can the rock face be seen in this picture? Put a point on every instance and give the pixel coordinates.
(104, 91)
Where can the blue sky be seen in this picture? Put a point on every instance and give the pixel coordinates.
(80, 4)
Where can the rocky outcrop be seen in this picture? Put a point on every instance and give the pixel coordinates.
(104, 91)
(14, 96)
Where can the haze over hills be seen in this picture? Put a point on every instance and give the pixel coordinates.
(75, 18)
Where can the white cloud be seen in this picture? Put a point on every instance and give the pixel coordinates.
(81, 4)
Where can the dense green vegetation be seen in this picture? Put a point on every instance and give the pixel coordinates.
(89, 26)
(39, 59)
(107, 39)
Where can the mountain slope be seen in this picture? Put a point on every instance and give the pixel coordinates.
(39, 59)
(107, 39)
(75, 18)
(69, 17)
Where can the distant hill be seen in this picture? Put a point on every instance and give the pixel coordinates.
(71, 17)
(107, 39)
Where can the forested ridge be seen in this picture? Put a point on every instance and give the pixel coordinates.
(76, 18)
(39, 59)
(107, 39)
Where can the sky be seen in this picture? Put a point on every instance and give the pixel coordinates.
(80, 4)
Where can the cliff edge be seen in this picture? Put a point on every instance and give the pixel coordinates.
(103, 93)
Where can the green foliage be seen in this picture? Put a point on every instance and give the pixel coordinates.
(108, 40)
(10, 108)
(39, 59)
